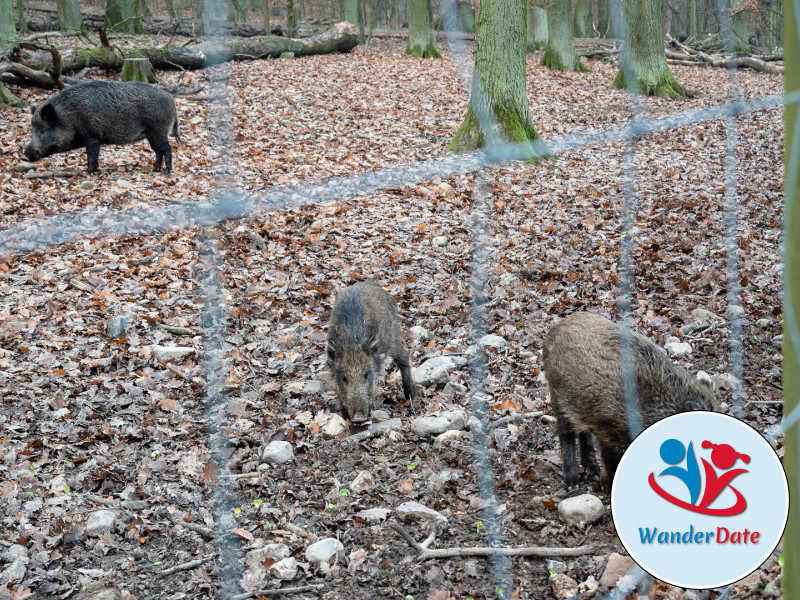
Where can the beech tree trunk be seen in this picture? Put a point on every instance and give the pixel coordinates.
(69, 16)
(23, 24)
(420, 41)
(499, 98)
(738, 38)
(644, 56)
(559, 54)
(537, 27)
(350, 12)
(265, 16)
(341, 37)
(583, 16)
(8, 32)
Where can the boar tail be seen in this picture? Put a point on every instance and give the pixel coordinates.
(175, 130)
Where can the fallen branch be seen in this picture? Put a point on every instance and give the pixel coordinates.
(514, 418)
(280, 592)
(540, 551)
(187, 566)
(47, 174)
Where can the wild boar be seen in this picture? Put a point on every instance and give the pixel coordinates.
(582, 363)
(104, 112)
(364, 330)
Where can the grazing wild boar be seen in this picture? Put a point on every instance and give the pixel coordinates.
(363, 331)
(104, 112)
(582, 363)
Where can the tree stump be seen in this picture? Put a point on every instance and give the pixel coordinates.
(139, 69)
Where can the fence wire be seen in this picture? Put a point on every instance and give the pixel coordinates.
(37, 234)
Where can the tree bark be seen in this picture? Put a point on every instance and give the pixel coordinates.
(342, 37)
(559, 54)
(237, 11)
(8, 32)
(23, 24)
(583, 17)
(69, 16)
(350, 12)
(498, 107)
(644, 61)
(738, 37)
(693, 18)
(139, 69)
(537, 27)
(420, 41)
(266, 8)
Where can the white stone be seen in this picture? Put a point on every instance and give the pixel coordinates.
(379, 415)
(374, 515)
(493, 341)
(435, 424)
(364, 482)
(278, 452)
(285, 569)
(100, 521)
(763, 323)
(305, 388)
(323, 550)
(414, 511)
(701, 315)
(439, 241)
(678, 348)
(448, 436)
(436, 370)
(170, 352)
(590, 584)
(420, 333)
(255, 558)
(585, 508)
(334, 425)
(563, 586)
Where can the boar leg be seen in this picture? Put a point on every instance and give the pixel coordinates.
(569, 461)
(404, 364)
(588, 459)
(612, 454)
(163, 152)
(92, 155)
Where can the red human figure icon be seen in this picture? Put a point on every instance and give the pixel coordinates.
(724, 457)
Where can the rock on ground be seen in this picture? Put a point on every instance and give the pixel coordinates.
(285, 569)
(585, 508)
(414, 511)
(276, 552)
(563, 586)
(617, 567)
(100, 521)
(323, 550)
(364, 482)
(435, 424)
(278, 452)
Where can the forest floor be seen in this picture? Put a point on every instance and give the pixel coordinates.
(90, 423)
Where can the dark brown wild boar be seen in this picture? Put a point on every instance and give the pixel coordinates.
(104, 112)
(582, 363)
(363, 331)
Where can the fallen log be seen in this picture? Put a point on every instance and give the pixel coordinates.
(341, 37)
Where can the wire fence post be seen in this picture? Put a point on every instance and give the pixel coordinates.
(791, 294)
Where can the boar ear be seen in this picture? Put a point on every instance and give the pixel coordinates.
(33, 109)
(48, 113)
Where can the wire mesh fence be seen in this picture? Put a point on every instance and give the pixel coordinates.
(226, 204)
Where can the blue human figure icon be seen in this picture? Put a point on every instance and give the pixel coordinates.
(672, 452)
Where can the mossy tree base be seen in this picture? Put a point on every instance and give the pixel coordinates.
(668, 87)
(512, 128)
(554, 63)
(423, 50)
(139, 69)
(10, 100)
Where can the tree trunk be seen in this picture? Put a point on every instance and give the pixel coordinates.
(603, 19)
(537, 27)
(499, 99)
(69, 16)
(693, 19)
(23, 24)
(139, 69)
(350, 11)
(420, 41)
(644, 59)
(583, 15)
(467, 14)
(738, 36)
(119, 16)
(341, 37)
(237, 11)
(291, 17)
(791, 303)
(559, 54)
(265, 16)
(8, 32)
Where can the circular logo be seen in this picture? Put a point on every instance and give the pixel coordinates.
(700, 500)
